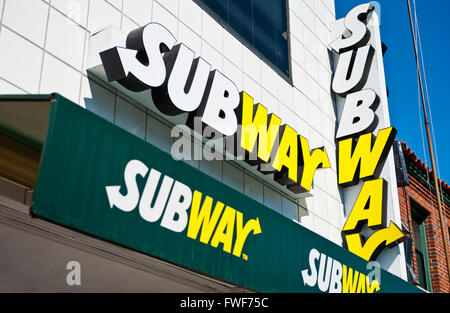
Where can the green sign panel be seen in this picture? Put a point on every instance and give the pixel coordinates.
(99, 179)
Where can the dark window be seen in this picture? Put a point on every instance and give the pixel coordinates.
(260, 24)
(420, 243)
(419, 255)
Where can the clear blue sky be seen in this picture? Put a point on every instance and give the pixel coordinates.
(401, 73)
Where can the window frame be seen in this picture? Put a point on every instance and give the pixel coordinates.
(419, 215)
(246, 43)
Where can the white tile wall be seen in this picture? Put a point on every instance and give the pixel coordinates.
(28, 18)
(232, 72)
(21, 61)
(307, 15)
(211, 31)
(2, 2)
(297, 52)
(191, 15)
(76, 10)
(232, 49)
(285, 92)
(164, 17)
(330, 5)
(212, 56)
(306, 218)
(299, 77)
(269, 101)
(296, 26)
(190, 39)
(65, 39)
(321, 227)
(269, 79)
(102, 14)
(128, 25)
(140, 11)
(117, 3)
(171, 5)
(252, 88)
(251, 64)
(59, 77)
(53, 53)
(9, 89)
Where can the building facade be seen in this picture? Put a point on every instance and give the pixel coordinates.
(419, 209)
(276, 51)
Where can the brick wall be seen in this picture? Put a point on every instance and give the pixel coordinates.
(419, 192)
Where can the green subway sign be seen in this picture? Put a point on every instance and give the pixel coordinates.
(97, 178)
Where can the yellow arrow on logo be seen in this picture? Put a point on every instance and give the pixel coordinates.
(377, 241)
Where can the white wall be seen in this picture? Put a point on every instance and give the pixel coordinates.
(44, 49)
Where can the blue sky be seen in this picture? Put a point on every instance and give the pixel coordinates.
(401, 73)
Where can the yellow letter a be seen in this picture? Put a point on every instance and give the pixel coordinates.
(370, 207)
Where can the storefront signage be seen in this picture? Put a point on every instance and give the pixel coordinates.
(218, 223)
(333, 277)
(181, 83)
(99, 179)
(361, 154)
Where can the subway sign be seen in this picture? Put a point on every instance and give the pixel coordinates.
(211, 222)
(99, 179)
(181, 83)
(362, 154)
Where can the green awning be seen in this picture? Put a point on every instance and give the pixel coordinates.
(93, 176)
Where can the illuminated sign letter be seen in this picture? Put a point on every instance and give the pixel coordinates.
(287, 153)
(222, 97)
(360, 35)
(361, 155)
(147, 211)
(255, 134)
(181, 83)
(369, 207)
(186, 81)
(225, 230)
(140, 65)
(128, 202)
(175, 217)
(311, 161)
(386, 237)
(365, 158)
(202, 217)
(352, 70)
(243, 231)
(358, 115)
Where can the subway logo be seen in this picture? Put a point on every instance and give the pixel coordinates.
(210, 222)
(329, 275)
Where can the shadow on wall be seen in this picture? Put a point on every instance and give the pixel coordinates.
(102, 101)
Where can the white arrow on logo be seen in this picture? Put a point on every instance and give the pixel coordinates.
(131, 64)
(153, 40)
(129, 201)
